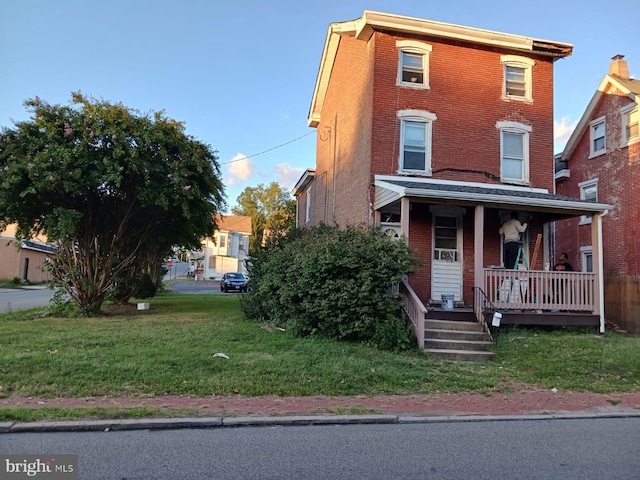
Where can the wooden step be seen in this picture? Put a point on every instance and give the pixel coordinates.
(433, 324)
(474, 335)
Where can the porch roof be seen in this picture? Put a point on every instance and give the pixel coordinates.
(389, 189)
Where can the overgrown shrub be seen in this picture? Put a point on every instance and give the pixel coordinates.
(332, 282)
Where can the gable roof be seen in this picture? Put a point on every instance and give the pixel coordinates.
(234, 223)
(628, 86)
(364, 27)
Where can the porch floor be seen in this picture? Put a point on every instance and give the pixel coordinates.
(518, 317)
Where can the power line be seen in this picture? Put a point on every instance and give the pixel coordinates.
(270, 149)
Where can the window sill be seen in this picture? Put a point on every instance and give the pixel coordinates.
(514, 181)
(415, 173)
(630, 142)
(417, 86)
(517, 99)
(597, 154)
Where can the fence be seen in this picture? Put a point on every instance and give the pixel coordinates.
(622, 301)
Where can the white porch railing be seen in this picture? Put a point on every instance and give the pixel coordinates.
(415, 309)
(540, 290)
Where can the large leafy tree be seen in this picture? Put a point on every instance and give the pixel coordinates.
(271, 208)
(114, 189)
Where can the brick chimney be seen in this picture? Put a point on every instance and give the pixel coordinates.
(619, 67)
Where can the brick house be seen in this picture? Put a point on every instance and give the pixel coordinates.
(436, 132)
(601, 162)
(227, 250)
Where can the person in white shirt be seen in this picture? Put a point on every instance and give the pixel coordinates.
(511, 229)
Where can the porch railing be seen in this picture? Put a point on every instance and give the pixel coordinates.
(540, 290)
(414, 308)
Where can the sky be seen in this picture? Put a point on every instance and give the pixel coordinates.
(240, 73)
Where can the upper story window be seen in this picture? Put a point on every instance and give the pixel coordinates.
(588, 191)
(307, 215)
(597, 137)
(413, 63)
(630, 116)
(517, 78)
(223, 241)
(514, 151)
(415, 141)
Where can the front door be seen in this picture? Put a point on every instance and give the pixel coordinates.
(446, 270)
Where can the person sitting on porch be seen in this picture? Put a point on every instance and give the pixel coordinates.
(559, 285)
(511, 229)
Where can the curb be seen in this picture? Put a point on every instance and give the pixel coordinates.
(219, 422)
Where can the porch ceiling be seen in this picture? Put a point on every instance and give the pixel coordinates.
(389, 189)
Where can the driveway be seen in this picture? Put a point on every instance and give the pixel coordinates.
(188, 285)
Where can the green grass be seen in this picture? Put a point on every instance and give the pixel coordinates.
(170, 349)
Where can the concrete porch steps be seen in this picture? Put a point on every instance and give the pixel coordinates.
(457, 340)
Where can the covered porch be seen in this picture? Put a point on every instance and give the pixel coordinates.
(531, 296)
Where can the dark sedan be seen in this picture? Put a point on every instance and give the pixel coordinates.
(233, 281)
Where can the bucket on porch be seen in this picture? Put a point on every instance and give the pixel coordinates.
(447, 301)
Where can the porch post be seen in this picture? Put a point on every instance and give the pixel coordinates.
(478, 246)
(404, 217)
(598, 270)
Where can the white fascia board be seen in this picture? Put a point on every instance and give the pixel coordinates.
(435, 181)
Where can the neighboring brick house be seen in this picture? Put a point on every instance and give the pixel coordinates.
(437, 132)
(227, 250)
(602, 162)
(27, 262)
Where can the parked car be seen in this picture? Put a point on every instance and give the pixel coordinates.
(233, 281)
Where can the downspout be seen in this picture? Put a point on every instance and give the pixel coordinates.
(597, 230)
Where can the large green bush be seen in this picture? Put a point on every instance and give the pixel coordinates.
(332, 282)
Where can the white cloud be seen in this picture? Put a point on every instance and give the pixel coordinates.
(239, 170)
(287, 175)
(562, 130)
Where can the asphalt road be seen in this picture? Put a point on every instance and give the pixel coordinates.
(14, 299)
(580, 449)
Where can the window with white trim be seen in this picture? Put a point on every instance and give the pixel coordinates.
(415, 141)
(517, 80)
(588, 191)
(514, 151)
(597, 137)
(413, 63)
(586, 257)
(223, 241)
(307, 215)
(630, 132)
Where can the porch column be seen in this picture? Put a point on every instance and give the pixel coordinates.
(404, 217)
(598, 270)
(478, 246)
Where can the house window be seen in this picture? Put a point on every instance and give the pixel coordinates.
(598, 144)
(212, 262)
(514, 152)
(308, 208)
(413, 63)
(517, 78)
(415, 141)
(630, 133)
(223, 241)
(588, 191)
(586, 254)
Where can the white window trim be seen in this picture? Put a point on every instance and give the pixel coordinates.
(516, 127)
(596, 153)
(624, 115)
(417, 48)
(584, 251)
(521, 62)
(307, 215)
(417, 116)
(586, 219)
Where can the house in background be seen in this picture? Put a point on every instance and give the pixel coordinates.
(436, 132)
(601, 162)
(28, 262)
(227, 250)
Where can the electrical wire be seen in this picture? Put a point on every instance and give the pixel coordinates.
(270, 149)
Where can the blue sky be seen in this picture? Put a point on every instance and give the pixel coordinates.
(240, 73)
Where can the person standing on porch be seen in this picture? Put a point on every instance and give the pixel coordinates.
(511, 229)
